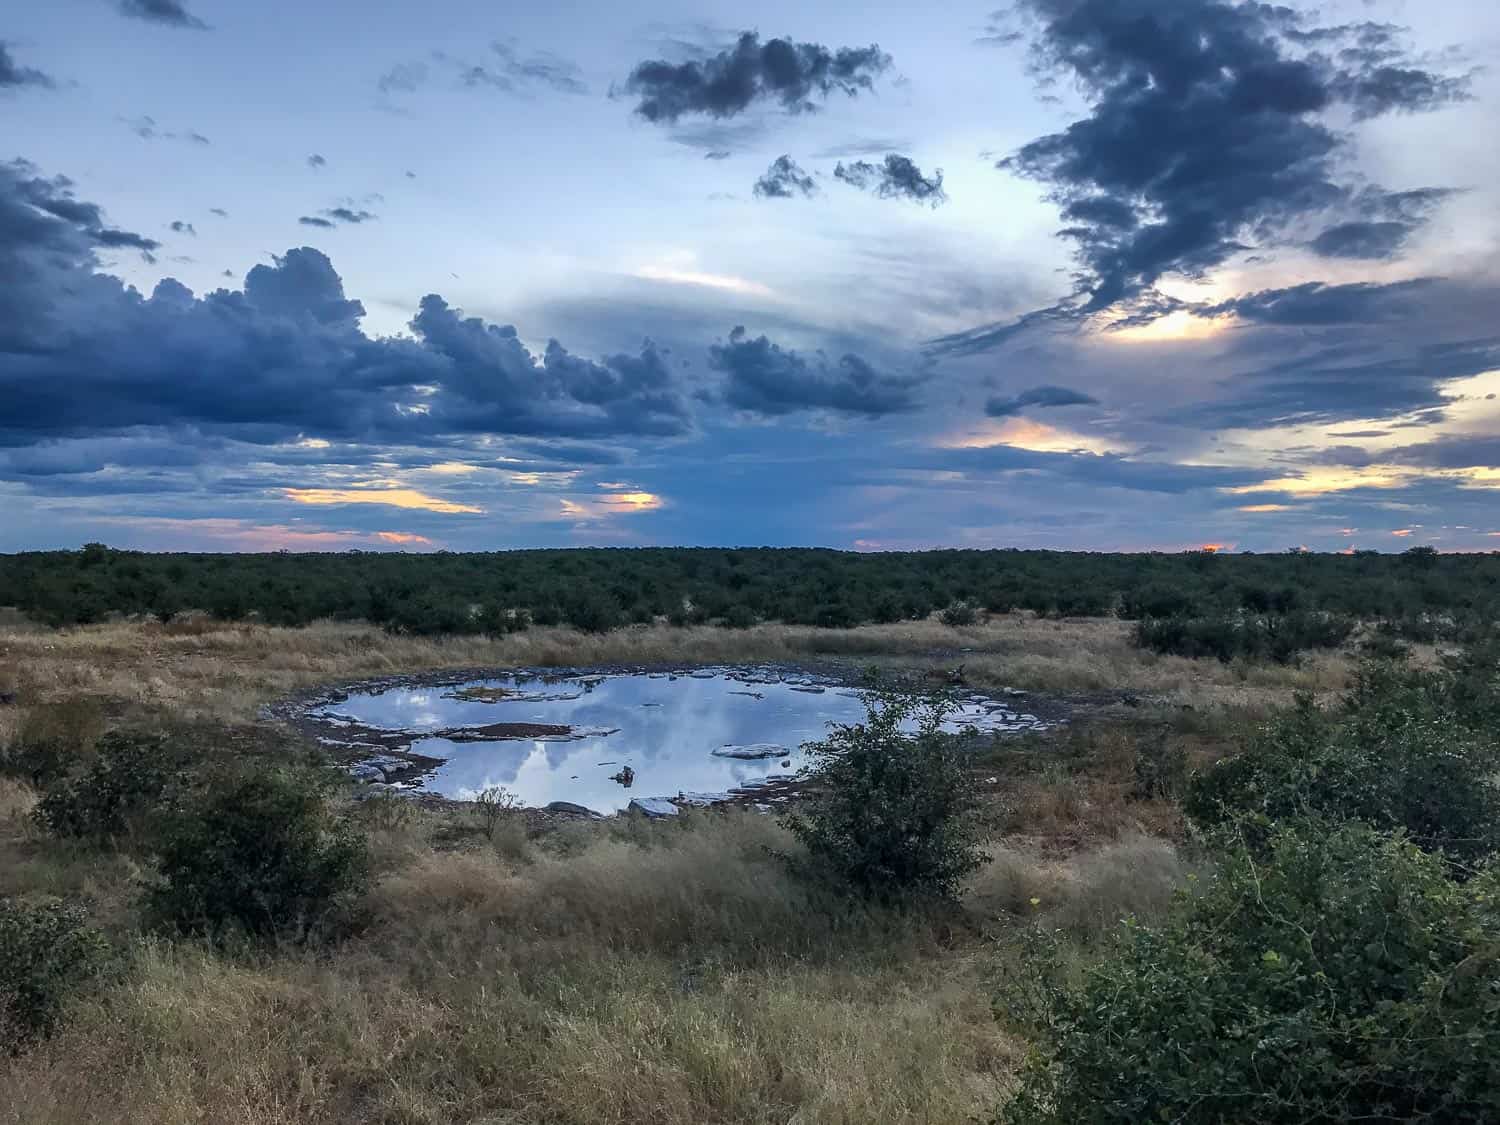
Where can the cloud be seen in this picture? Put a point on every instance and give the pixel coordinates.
(507, 69)
(1209, 131)
(316, 161)
(717, 154)
(180, 227)
(751, 72)
(83, 353)
(14, 76)
(349, 215)
(219, 211)
(391, 497)
(785, 179)
(314, 221)
(169, 12)
(764, 378)
(146, 128)
(896, 178)
(1318, 303)
(1037, 396)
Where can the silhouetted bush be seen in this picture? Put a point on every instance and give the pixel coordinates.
(262, 852)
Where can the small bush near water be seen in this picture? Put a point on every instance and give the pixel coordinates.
(128, 776)
(891, 814)
(263, 853)
(47, 953)
(1350, 978)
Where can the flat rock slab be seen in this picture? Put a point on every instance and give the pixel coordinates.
(752, 753)
(654, 807)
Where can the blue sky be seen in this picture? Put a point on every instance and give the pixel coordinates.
(1100, 274)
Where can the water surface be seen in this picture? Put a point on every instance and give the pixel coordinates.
(665, 726)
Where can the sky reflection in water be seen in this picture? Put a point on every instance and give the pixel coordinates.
(669, 726)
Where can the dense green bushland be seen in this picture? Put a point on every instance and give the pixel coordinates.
(1406, 750)
(1342, 976)
(1340, 964)
(1434, 596)
(48, 952)
(1279, 637)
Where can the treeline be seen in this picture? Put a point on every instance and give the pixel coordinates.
(600, 589)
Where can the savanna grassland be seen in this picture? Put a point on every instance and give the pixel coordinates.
(439, 965)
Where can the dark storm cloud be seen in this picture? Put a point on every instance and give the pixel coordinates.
(13, 75)
(785, 179)
(795, 75)
(81, 353)
(1207, 131)
(1317, 303)
(180, 227)
(897, 177)
(1362, 240)
(1099, 470)
(170, 12)
(316, 161)
(568, 452)
(764, 378)
(1037, 396)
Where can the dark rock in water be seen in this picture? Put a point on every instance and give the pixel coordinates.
(654, 807)
(570, 807)
(7, 698)
(751, 753)
(786, 764)
(625, 777)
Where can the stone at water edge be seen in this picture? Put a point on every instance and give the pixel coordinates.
(653, 807)
(570, 807)
(751, 753)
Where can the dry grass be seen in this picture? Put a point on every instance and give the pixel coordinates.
(596, 974)
(683, 976)
(208, 669)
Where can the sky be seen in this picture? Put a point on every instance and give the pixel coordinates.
(1075, 274)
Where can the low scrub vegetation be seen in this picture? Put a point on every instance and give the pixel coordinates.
(1278, 637)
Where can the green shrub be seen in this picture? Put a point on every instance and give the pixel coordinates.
(128, 777)
(1278, 637)
(1396, 755)
(47, 953)
(959, 614)
(1161, 769)
(51, 740)
(262, 852)
(1348, 979)
(890, 814)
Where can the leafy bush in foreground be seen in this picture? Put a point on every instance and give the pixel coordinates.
(128, 776)
(1350, 978)
(47, 953)
(891, 814)
(262, 852)
(1401, 753)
